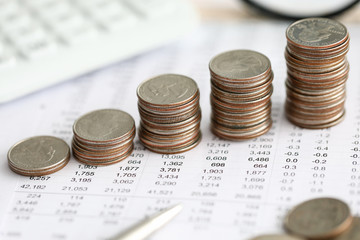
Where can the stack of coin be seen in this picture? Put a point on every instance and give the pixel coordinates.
(170, 113)
(241, 88)
(320, 218)
(38, 156)
(103, 137)
(317, 71)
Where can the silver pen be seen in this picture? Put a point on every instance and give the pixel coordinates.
(148, 226)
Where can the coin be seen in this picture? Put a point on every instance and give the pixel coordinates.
(317, 72)
(103, 137)
(103, 125)
(167, 89)
(316, 33)
(353, 233)
(320, 218)
(170, 113)
(276, 237)
(241, 88)
(239, 65)
(38, 156)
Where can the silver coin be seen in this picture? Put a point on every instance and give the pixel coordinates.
(239, 64)
(103, 125)
(276, 237)
(316, 32)
(167, 89)
(353, 233)
(38, 154)
(320, 218)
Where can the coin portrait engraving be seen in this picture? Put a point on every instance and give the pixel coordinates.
(164, 90)
(249, 64)
(167, 89)
(239, 64)
(316, 32)
(38, 155)
(103, 125)
(40, 150)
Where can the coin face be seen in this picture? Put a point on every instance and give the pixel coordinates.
(316, 32)
(319, 218)
(103, 125)
(353, 233)
(40, 153)
(239, 64)
(167, 89)
(276, 237)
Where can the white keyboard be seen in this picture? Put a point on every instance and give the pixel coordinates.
(43, 42)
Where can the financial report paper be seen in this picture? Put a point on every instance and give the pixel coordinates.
(229, 190)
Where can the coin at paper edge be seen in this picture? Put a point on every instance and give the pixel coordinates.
(353, 233)
(335, 231)
(276, 237)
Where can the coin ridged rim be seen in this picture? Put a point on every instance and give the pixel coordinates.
(353, 233)
(40, 173)
(241, 137)
(177, 150)
(110, 162)
(321, 126)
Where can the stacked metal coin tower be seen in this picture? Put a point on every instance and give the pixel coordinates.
(170, 113)
(317, 72)
(103, 137)
(241, 88)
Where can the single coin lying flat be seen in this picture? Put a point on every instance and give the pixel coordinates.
(319, 218)
(38, 156)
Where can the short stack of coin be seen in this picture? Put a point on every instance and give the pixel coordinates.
(170, 113)
(241, 88)
(103, 137)
(38, 156)
(319, 218)
(317, 72)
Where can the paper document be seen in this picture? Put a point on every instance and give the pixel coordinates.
(229, 190)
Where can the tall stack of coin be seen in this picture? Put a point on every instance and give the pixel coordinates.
(103, 137)
(170, 113)
(317, 72)
(241, 88)
(38, 156)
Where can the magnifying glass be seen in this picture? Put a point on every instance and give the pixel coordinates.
(296, 9)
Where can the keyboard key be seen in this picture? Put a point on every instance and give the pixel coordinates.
(15, 21)
(26, 33)
(38, 48)
(113, 16)
(8, 7)
(78, 34)
(7, 59)
(153, 8)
